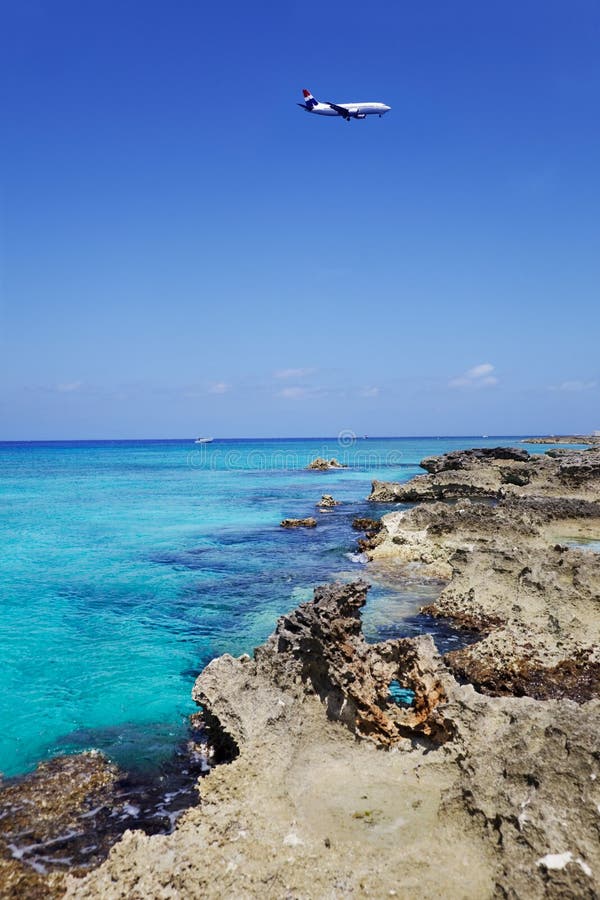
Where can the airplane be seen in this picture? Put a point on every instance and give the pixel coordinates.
(346, 110)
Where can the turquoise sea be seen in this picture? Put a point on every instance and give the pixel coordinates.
(128, 565)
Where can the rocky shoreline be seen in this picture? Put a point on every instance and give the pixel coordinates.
(387, 769)
(512, 568)
(591, 439)
(66, 815)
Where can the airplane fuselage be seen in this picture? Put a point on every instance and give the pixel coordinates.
(356, 110)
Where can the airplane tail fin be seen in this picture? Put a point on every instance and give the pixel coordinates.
(309, 100)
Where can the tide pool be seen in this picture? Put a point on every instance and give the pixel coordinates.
(127, 566)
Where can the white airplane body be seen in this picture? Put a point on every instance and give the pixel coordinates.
(347, 111)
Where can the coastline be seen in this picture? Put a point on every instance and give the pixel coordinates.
(327, 771)
(591, 439)
(502, 783)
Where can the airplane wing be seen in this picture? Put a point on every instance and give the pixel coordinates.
(340, 110)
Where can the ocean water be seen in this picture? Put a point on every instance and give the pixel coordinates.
(126, 566)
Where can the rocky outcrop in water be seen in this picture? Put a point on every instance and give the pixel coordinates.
(498, 473)
(464, 459)
(310, 522)
(327, 501)
(324, 464)
(565, 439)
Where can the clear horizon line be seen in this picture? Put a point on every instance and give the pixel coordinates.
(333, 437)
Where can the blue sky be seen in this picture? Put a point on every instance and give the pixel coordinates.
(185, 251)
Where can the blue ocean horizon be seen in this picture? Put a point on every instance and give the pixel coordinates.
(129, 564)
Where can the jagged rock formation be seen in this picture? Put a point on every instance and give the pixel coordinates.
(505, 789)
(327, 501)
(364, 523)
(310, 522)
(494, 474)
(322, 643)
(565, 439)
(510, 573)
(371, 528)
(324, 464)
(464, 459)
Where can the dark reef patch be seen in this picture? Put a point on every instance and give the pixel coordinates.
(67, 814)
(575, 679)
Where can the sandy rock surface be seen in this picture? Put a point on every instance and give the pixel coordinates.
(497, 473)
(337, 791)
(514, 570)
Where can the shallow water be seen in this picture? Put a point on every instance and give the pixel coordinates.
(127, 566)
(591, 545)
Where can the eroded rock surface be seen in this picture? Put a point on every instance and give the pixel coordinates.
(314, 806)
(511, 573)
(327, 501)
(498, 473)
(323, 464)
(310, 522)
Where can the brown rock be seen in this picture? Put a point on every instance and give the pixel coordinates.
(327, 501)
(324, 464)
(310, 522)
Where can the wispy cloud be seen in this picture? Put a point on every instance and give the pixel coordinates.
(294, 373)
(574, 385)
(291, 392)
(313, 392)
(479, 376)
(219, 387)
(369, 392)
(69, 387)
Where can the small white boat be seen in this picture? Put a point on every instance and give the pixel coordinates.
(204, 440)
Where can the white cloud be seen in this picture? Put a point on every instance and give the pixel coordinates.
(290, 392)
(69, 387)
(219, 387)
(369, 392)
(480, 371)
(575, 385)
(294, 373)
(479, 376)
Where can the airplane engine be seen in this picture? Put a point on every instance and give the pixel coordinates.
(361, 115)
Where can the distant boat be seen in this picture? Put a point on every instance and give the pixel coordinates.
(204, 440)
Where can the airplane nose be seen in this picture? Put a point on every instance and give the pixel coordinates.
(386, 108)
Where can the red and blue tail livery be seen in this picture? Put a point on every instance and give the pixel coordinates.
(345, 111)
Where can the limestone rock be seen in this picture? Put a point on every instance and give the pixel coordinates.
(324, 464)
(506, 789)
(462, 459)
(497, 473)
(327, 501)
(310, 522)
(363, 523)
(320, 644)
(565, 439)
